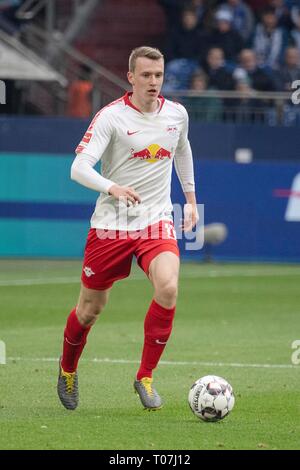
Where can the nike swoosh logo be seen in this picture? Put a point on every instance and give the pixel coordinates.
(131, 133)
(160, 342)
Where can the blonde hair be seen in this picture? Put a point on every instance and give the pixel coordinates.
(144, 51)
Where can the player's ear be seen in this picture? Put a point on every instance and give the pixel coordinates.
(130, 78)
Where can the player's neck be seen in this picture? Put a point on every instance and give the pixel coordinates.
(144, 106)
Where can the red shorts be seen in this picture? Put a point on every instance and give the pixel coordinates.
(108, 253)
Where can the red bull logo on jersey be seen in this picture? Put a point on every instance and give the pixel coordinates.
(152, 154)
(173, 130)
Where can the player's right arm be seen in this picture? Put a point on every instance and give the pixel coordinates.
(89, 152)
(82, 171)
(126, 193)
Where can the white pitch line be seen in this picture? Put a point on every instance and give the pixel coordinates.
(107, 360)
(210, 274)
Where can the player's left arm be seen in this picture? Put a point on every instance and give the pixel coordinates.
(184, 167)
(191, 215)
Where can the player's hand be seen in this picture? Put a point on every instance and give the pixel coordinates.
(126, 194)
(191, 217)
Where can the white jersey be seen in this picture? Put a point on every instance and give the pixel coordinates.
(137, 149)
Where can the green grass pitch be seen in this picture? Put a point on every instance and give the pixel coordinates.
(236, 321)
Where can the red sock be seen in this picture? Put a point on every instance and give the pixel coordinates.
(157, 330)
(74, 341)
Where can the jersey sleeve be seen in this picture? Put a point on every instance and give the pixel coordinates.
(97, 137)
(184, 160)
(83, 172)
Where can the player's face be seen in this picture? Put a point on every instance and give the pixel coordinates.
(147, 78)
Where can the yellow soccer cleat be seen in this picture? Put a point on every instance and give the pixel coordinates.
(148, 395)
(67, 388)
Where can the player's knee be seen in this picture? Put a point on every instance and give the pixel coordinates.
(88, 311)
(167, 293)
(87, 315)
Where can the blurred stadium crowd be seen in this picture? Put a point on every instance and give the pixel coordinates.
(8, 21)
(233, 44)
(239, 46)
(230, 45)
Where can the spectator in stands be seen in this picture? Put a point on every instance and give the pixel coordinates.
(282, 13)
(219, 76)
(225, 37)
(248, 79)
(200, 7)
(269, 40)
(204, 10)
(295, 33)
(290, 71)
(178, 73)
(203, 108)
(8, 21)
(245, 107)
(173, 10)
(80, 95)
(187, 41)
(6, 5)
(243, 18)
(259, 78)
(257, 5)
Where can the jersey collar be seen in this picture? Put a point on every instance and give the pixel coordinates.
(128, 102)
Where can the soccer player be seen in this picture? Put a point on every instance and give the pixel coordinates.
(136, 137)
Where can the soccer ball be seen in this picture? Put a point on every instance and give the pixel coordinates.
(211, 398)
